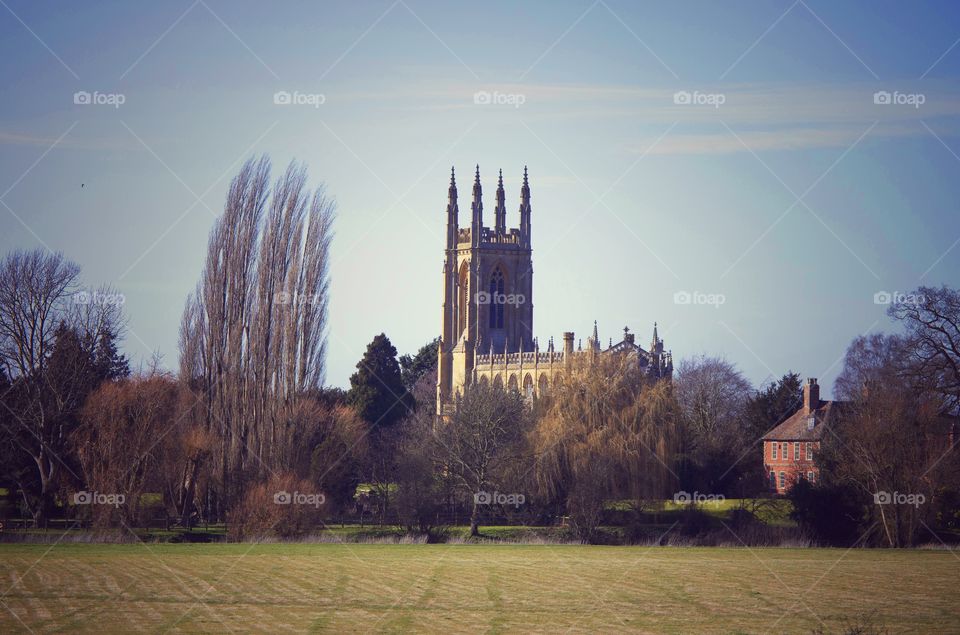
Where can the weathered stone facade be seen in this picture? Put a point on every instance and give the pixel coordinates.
(487, 328)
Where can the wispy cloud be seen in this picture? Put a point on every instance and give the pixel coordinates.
(767, 116)
(770, 116)
(722, 142)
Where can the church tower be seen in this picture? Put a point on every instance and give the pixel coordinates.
(487, 288)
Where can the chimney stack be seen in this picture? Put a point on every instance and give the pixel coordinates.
(811, 395)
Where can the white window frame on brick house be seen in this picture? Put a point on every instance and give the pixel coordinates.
(773, 449)
(783, 480)
(785, 450)
(796, 451)
(809, 451)
(810, 476)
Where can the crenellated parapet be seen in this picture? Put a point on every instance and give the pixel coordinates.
(519, 359)
(492, 236)
(535, 374)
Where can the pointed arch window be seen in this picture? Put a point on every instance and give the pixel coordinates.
(496, 299)
(463, 295)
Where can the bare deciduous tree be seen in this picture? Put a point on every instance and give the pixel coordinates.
(932, 319)
(713, 397)
(35, 292)
(43, 320)
(712, 394)
(116, 441)
(480, 441)
(253, 334)
(891, 438)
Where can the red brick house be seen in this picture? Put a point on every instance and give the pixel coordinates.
(790, 448)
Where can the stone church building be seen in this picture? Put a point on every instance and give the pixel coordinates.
(487, 333)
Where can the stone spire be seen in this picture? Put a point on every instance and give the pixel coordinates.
(501, 211)
(476, 224)
(525, 210)
(656, 346)
(452, 211)
(476, 185)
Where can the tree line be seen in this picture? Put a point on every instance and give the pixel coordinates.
(246, 423)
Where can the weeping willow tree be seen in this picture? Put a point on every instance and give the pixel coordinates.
(608, 434)
(252, 340)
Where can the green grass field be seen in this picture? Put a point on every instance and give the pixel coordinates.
(471, 588)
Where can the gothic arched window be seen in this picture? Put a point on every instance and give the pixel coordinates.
(496, 299)
(463, 298)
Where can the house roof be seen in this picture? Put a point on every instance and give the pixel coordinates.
(796, 428)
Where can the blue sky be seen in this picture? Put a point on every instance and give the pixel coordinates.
(795, 200)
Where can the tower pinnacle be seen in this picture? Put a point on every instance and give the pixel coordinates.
(525, 229)
(476, 224)
(477, 190)
(500, 214)
(453, 212)
(656, 346)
